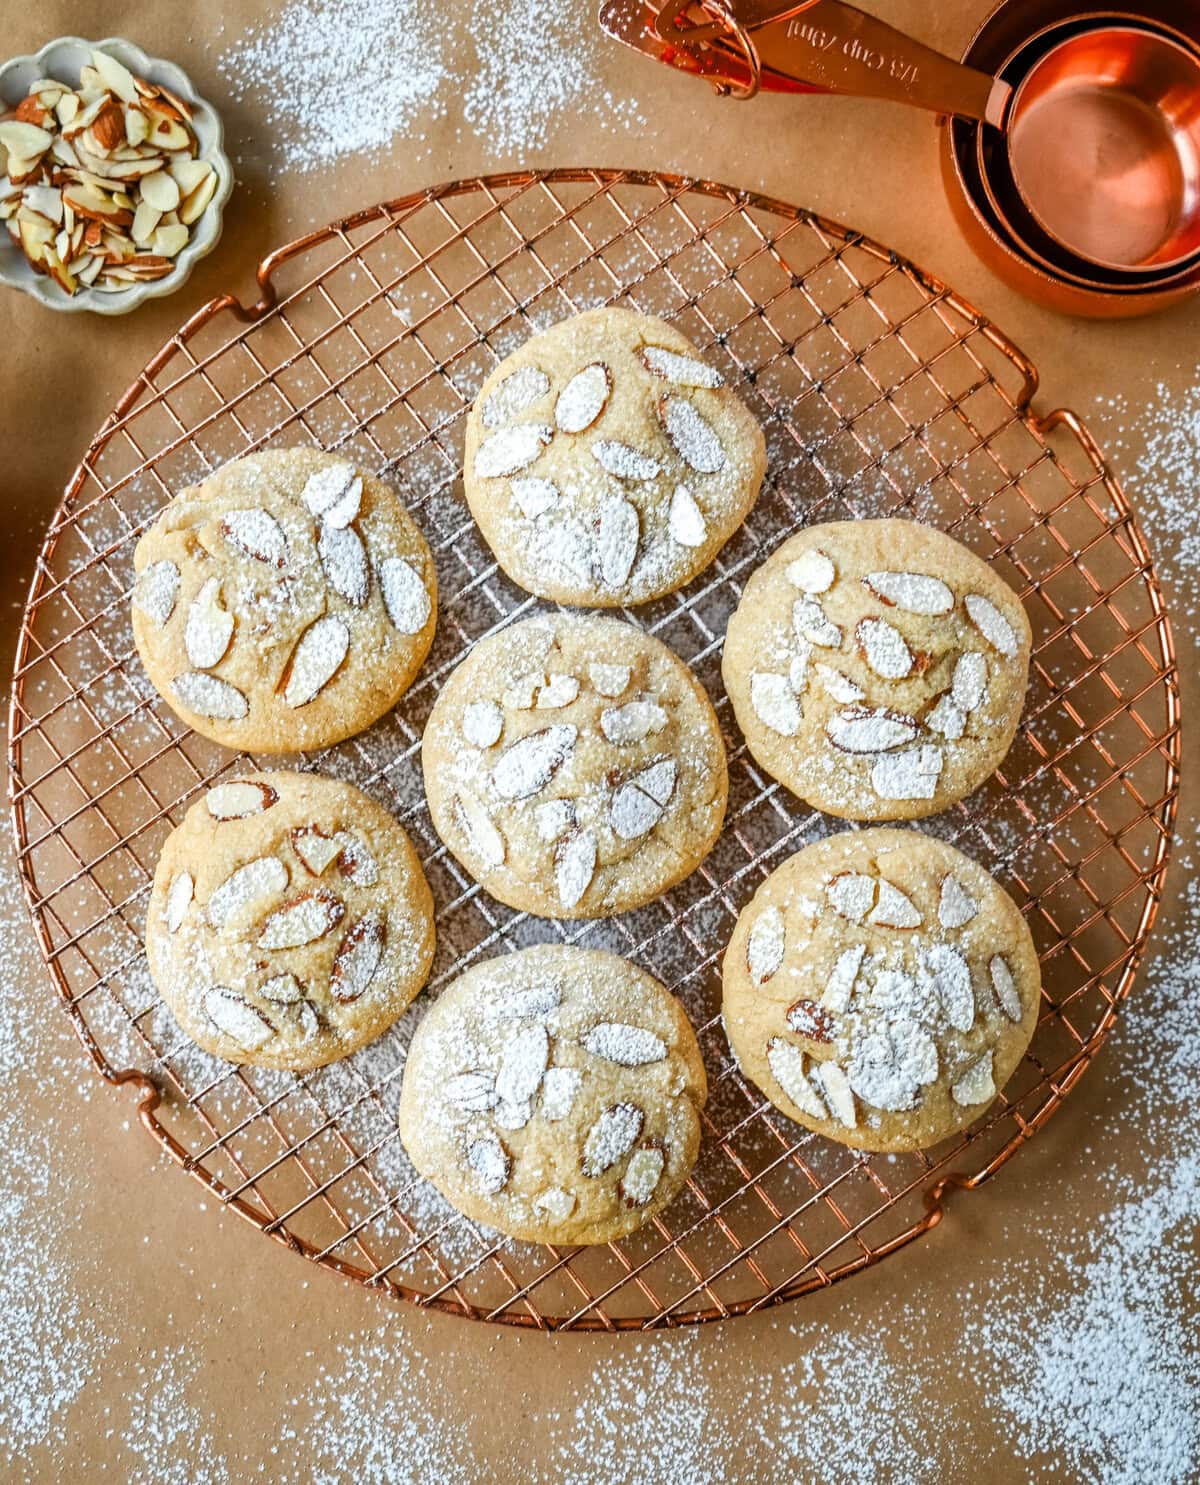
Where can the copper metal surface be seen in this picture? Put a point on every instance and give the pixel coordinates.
(976, 174)
(1101, 119)
(881, 391)
(1104, 141)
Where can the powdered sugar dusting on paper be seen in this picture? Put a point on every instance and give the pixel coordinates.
(345, 77)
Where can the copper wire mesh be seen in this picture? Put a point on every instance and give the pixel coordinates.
(880, 391)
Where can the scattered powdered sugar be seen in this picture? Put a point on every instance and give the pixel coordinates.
(345, 77)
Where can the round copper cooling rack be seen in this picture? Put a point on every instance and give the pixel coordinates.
(881, 392)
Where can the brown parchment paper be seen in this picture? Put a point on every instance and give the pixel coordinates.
(257, 1322)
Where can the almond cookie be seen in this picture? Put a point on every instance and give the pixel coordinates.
(555, 1094)
(284, 603)
(575, 766)
(877, 668)
(290, 922)
(881, 988)
(607, 463)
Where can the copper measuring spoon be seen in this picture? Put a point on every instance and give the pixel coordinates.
(1102, 133)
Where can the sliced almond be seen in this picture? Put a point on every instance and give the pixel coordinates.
(482, 723)
(914, 592)
(609, 680)
(992, 624)
(950, 976)
(239, 798)
(555, 1203)
(813, 572)
(811, 624)
(484, 839)
(574, 866)
(554, 817)
(838, 1094)
(316, 659)
(640, 803)
(852, 894)
(627, 1046)
(559, 1087)
(947, 718)
(209, 696)
(242, 892)
(884, 649)
(195, 203)
(684, 371)
(977, 1084)
(624, 462)
(765, 945)
(956, 906)
(237, 1019)
(472, 1091)
(490, 1164)
(357, 958)
(145, 219)
(521, 696)
(156, 590)
(842, 978)
(912, 774)
(334, 494)
(355, 861)
(633, 722)
(559, 691)
(1005, 987)
(583, 399)
(894, 909)
(511, 450)
(523, 1063)
(534, 496)
(642, 1174)
(811, 1019)
(179, 897)
(527, 766)
(209, 627)
(969, 684)
(115, 76)
(686, 521)
(511, 396)
(344, 563)
(315, 849)
(282, 989)
(840, 687)
(25, 141)
(617, 533)
(302, 921)
(787, 1064)
(404, 595)
(775, 703)
(257, 533)
(611, 1137)
(691, 435)
(870, 729)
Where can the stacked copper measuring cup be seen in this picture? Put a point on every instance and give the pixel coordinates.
(1070, 141)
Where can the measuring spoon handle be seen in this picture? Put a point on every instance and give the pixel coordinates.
(841, 48)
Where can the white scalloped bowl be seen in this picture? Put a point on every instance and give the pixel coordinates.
(62, 60)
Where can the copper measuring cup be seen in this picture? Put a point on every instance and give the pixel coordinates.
(1102, 133)
(994, 175)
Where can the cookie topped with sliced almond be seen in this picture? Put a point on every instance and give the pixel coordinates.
(877, 668)
(607, 460)
(290, 922)
(881, 988)
(574, 766)
(285, 602)
(555, 1094)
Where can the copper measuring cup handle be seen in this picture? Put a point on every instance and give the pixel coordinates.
(842, 49)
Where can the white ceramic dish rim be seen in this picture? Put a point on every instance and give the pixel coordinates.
(15, 76)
